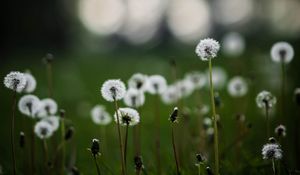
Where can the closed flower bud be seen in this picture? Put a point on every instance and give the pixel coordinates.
(272, 140)
(48, 58)
(22, 139)
(174, 116)
(62, 113)
(69, 134)
(138, 162)
(95, 148)
(209, 171)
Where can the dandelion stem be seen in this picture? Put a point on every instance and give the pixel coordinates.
(49, 77)
(268, 120)
(32, 151)
(120, 138)
(216, 149)
(199, 168)
(282, 89)
(12, 132)
(45, 147)
(157, 139)
(273, 167)
(97, 166)
(63, 152)
(126, 140)
(175, 153)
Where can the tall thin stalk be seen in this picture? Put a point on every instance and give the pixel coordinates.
(157, 138)
(12, 132)
(49, 78)
(97, 166)
(216, 147)
(175, 152)
(126, 141)
(63, 152)
(268, 119)
(32, 147)
(273, 167)
(120, 138)
(282, 89)
(46, 159)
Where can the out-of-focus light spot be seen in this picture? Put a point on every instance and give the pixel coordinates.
(102, 17)
(189, 20)
(229, 12)
(142, 20)
(233, 44)
(284, 16)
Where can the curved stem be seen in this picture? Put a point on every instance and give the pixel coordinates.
(212, 97)
(120, 139)
(175, 153)
(97, 166)
(12, 132)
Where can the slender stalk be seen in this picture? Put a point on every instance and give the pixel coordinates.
(49, 77)
(120, 139)
(199, 168)
(282, 89)
(157, 138)
(125, 148)
(216, 148)
(175, 153)
(63, 152)
(103, 135)
(268, 120)
(273, 167)
(45, 147)
(32, 148)
(12, 132)
(97, 166)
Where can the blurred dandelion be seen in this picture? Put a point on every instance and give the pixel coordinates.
(237, 87)
(100, 116)
(138, 81)
(134, 98)
(156, 84)
(139, 166)
(197, 78)
(200, 163)
(233, 44)
(280, 131)
(272, 151)
(53, 121)
(29, 105)
(219, 77)
(30, 84)
(47, 107)
(170, 95)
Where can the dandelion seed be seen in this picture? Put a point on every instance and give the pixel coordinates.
(282, 52)
(134, 98)
(219, 77)
(112, 90)
(53, 121)
(100, 116)
(170, 95)
(233, 44)
(15, 81)
(197, 78)
(237, 87)
(127, 116)
(265, 99)
(43, 129)
(207, 49)
(156, 84)
(272, 151)
(30, 84)
(47, 107)
(138, 81)
(174, 116)
(29, 105)
(280, 131)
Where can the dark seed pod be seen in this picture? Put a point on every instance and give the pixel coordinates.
(69, 134)
(22, 139)
(209, 171)
(174, 115)
(48, 58)
(95, 148)
(138, 162)
(272, 140)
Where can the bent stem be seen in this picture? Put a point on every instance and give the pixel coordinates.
(12, 132)
(175, 153)
(126, 140)
(216, 148)
(157, 138)
(120, 138)
(97, 166)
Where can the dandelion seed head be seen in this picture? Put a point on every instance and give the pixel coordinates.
(280, 131)
(156, 84)
(233, 44)
(272, 151)
(265, 99)
(28, 105)
(134, 98)
(197, 78)
(207, 49)
(100, 116)
(237, 87)
(53, 121)
(30, 84)
(113, 90)
(47, 107)
(207, 122)
(282, 51)
(43, 130)
(127, 116)
(170, 95)
(15, 81)
(184, 87)
(138, 81)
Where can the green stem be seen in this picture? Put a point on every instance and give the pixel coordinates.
(282, 89)
(157, 138)
(126, 141)
(268, 120)
(273, 167)
(199, 168)
(97, 166)
(12, 132)
(216, 148)
(32, 148)
(49, 77)
(120, 138)
(45, 147)
(175, 153)
(63, 152)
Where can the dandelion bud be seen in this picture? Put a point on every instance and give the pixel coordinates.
(272, 140)
(200, 158)
(48, 58)
(280, 131)
(209, 171)
(95, 148)
(297, 96)
(138, 162)
(174, 115)
(22, 139)
(69, 134)
(62, 113)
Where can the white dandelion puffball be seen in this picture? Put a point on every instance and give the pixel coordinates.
(207, 49)
(185, 88)
(28, 105)
(113, 90)
(100, 116)
(47, 107)
(233, 44)
(272, 151)
(170, 95)
(43, 130)
(265, 99)
(219, 78)
(138, 81)
(156, 84)
(53, 121)
(282, 51)
(15, 81)
(127, 116)
(197, 78)
(280, 131)
(237, 87)
(30, 84)
(134, 98)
